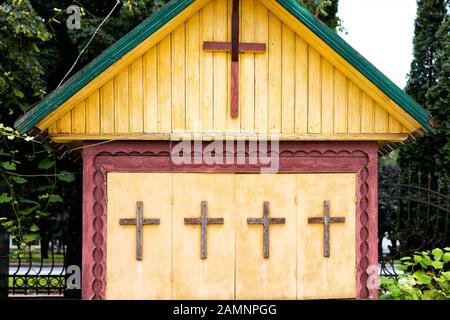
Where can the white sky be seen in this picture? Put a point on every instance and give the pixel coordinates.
(382, 31)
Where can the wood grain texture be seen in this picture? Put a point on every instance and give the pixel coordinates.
(149, 278)
(292, 85)
(312, 191)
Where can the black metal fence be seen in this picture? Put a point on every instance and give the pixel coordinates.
(413, 212)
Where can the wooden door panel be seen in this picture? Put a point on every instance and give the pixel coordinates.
(127, 278)
(256, 276)
(213, 277)
(333, 276)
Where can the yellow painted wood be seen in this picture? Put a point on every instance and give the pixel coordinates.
(395, 137)
(107, 107)
(394, 125)
(301, 85)
(127, 278)
(315, 92)
(121, 85)
(179, 79)
(136, 97)
(354, 108)
(211, 278)
(327, 97)
(221, 75)
(340, 102)
(206, 66)
(275, 46)
(288, 80)
(317, 276)
(367, 114)
(261, 70)
(297, 88)
(193, 74)
(93, 113)
(164, 86)
(65, 123)
(79, 118)
(256, 277)
(247, 68)
(381, 120)
(151, 91)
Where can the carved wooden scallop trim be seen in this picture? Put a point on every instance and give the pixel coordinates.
(295, 157)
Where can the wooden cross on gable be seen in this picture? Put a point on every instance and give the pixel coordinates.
(235, 47)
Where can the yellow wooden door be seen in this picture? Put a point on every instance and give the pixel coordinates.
(319, 276)
(126, 277)
(239, 258)
(210, 277)
(273, 276)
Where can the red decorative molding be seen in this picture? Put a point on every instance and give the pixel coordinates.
(294, 157)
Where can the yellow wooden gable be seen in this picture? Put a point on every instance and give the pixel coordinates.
(169, 87)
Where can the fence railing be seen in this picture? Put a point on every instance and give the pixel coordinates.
(413, 213)
(35, 272)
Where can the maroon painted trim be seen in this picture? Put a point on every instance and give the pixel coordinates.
(234, 89)
(294, 157)
(226, 46)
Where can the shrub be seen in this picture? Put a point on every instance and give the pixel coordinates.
(426, 277)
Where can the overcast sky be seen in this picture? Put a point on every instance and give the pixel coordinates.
(382, 31)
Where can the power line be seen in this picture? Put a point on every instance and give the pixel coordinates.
(89, 42)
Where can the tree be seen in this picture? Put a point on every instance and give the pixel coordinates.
(429, 84)
(325, 10)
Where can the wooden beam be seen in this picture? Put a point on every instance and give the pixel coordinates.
(243, 47)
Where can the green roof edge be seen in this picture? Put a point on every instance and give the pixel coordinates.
(173, 8)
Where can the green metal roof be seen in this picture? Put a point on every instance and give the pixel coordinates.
(173, 8)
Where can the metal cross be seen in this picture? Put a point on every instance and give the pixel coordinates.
(203, 221)
(235, 47)
(326, 220)
(266, 222)
(138, 222)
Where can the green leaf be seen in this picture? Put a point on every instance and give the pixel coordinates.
(421, 277)
(427, 262)
(27, 211)
(405, 258)
(53, 198)
(5, 198)
(401, 268)
(446, 257)
(417, 259)
(46, 164)
(438, 264)
(31, 237)
(437, 253)
(447, 248)
(18, 180)
(9, 165)
(34, 228)
(66, 176)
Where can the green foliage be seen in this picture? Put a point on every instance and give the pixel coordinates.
(26, 199)
(429, 84)
(21, 71)
(325, 10)
(426, 277)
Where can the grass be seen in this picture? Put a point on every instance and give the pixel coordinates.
(36, 259)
